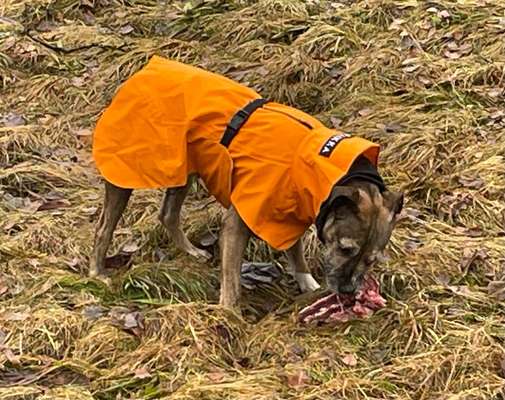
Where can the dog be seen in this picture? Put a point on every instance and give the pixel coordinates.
(274, 168)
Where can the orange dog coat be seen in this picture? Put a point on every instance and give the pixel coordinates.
(167, 121)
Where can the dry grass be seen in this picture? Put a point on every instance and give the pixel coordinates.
(425, 79)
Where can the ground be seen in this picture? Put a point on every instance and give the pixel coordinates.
(424, 79)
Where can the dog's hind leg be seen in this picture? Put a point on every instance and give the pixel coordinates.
(233, 241)
(301, 271)
(115, 202)
(170, 217)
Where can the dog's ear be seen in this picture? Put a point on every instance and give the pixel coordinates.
(345, 196)
(394, 202)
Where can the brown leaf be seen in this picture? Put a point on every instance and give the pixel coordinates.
(93, 312)
(133, 320)
(444, 14)
(453, 55)
(12, 119)
(297, 379)
(495, 92)
(216, 376)
(350, 360)
(118, 260)
(142, 373)
(77, 82)
(470, 256)
(411, 68)
(85, 136)
(3, 289)
(90, 210)
(53, 204)
(499, 114)
(471, 183)
(209, 239)
(15, 316)
(125, 30)
(11, 357)
(336, 122)
(130, 248)
(496, 289)
(365, 111)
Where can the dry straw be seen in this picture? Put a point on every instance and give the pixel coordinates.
(425, 79)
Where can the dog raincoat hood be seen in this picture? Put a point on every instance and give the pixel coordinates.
(167, 121)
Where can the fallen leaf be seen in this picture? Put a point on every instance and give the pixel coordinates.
(53, 204)
(298, 379)
(93, 312)
(89, 210)
(134, 320)
(411, 68)
(452, 46)
(45, 26)
(215, 376)
(77, 81)
(208, 239)
(336, 72)
(470, 256)
(15, 316)
(496, 289)
(453, 55)
(130, 321)
(124, 30)
(118, 260)
(365, 111)
(12, 119)
(396, 24)
(85, 136)
(3, 289)
(11, 357)
(142, 373)
(471, 183)
(33, 262)
(444, 14)
(336, 122)
(495, 92)
(350, 360)
(130, 248)
(499, 114)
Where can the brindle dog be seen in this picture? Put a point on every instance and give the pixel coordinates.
(355, 232)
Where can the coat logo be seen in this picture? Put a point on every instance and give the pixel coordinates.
(331, 143)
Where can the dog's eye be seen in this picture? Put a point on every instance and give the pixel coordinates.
(348, 247)
(348, 251)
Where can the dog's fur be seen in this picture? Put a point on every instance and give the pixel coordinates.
(355, 233)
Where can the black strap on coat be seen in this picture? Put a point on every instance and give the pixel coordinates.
(239, 119)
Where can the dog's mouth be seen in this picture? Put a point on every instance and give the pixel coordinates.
(343, 307)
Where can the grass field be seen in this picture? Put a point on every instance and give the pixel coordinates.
(426, 79)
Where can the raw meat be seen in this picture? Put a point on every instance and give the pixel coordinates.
(343, 307)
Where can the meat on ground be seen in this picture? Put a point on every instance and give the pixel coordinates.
(342, 307)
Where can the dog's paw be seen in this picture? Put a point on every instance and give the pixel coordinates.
(306, 282)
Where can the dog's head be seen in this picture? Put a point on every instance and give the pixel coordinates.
(356, 229)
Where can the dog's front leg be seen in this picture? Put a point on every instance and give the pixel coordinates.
(233, 241)
(170, 217)
(298, 266)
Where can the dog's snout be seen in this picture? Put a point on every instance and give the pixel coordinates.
(348, 288)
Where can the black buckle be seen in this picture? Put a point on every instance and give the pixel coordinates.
(238, 119)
